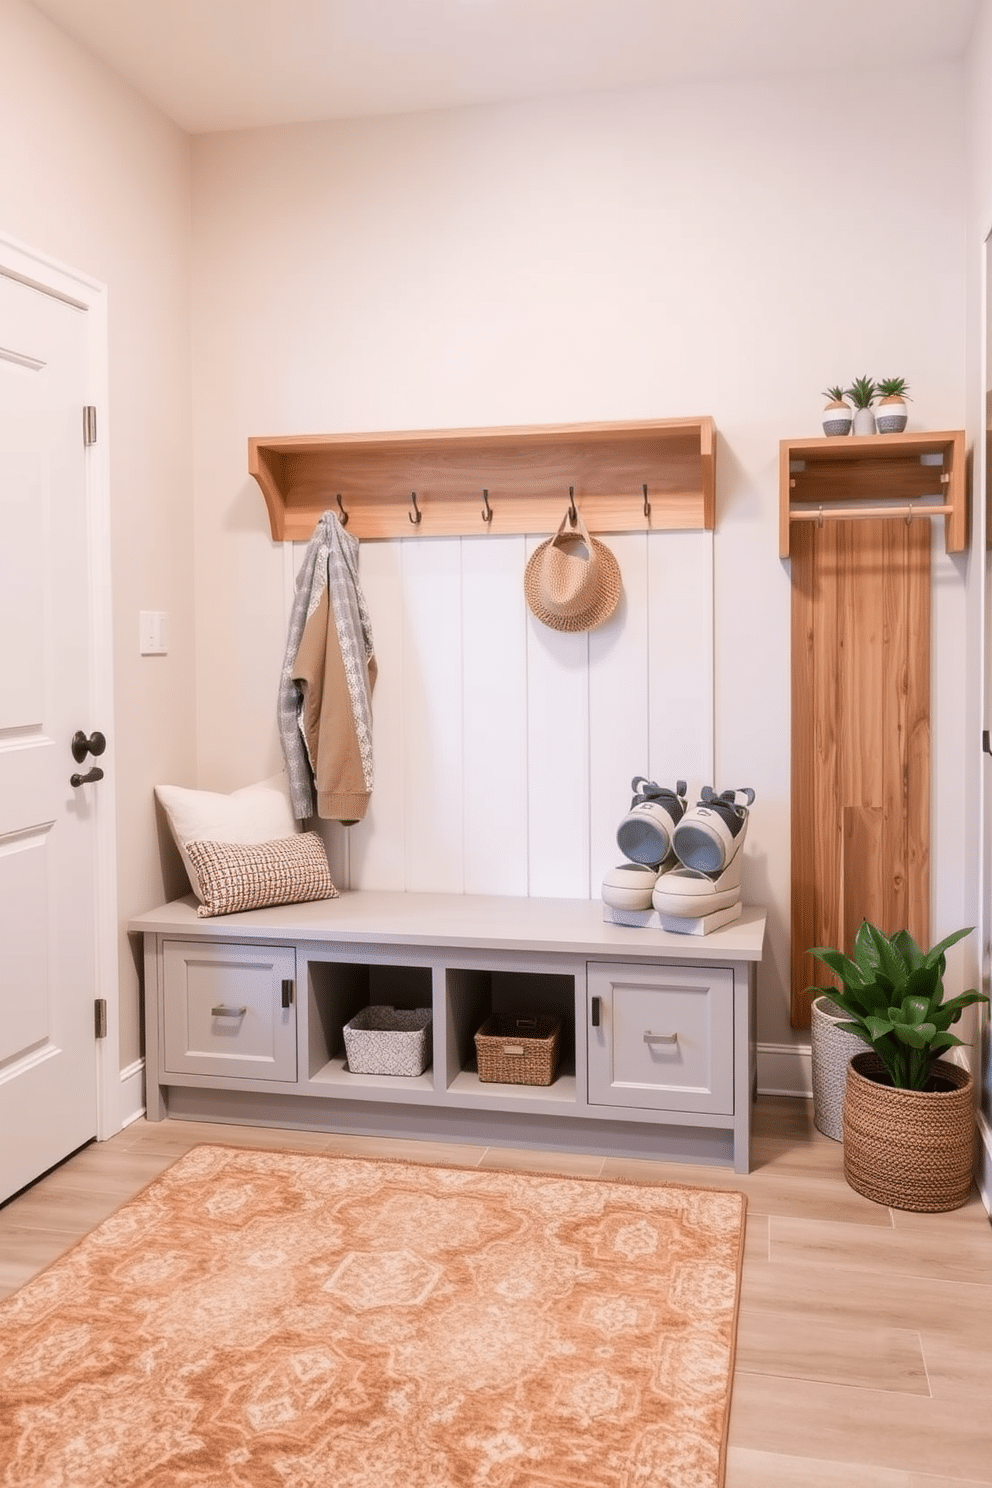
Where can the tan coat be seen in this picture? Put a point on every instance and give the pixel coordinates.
(327, 718)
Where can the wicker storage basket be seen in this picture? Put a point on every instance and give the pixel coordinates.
(519, 1051)
(910, 1149)
(383, 1040)
(832, 1049)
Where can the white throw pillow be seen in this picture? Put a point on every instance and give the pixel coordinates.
(256, 813)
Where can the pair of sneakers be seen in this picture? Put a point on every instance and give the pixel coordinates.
(684, 860)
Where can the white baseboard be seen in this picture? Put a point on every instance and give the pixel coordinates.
(132, 1092)
(785, 1069)
(983, 1161)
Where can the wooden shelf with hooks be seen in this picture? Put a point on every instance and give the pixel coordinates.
(526, 470)
(876, 475)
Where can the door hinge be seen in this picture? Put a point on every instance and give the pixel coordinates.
(100, 1017)
(89, 424)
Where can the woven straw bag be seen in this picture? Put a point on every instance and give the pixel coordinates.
(909, 1149)
(833, 1047)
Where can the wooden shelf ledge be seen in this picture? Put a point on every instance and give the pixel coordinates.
(526, 470)
(871, 473)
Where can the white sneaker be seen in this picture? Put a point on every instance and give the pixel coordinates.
(690, 893)
(711, 833)
(645, 834)
(629, 886)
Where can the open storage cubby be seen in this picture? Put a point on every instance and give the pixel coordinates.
(917, 475)
(337, 991)
(314, 966)
(473, 995)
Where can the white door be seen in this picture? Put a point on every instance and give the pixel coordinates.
(48, 876)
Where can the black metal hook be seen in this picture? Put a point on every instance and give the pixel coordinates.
(344, 514)
(573, 515)
(415, 519)
(487, 514)
(647, 504)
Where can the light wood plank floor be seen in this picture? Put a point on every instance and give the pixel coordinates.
(865, 1346)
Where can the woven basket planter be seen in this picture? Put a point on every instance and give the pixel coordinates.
(909, 1149)
(832, 1049)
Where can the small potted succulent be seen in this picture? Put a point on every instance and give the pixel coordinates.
(890, 412)
(909, 1121)
(837, 414)
(862, 395)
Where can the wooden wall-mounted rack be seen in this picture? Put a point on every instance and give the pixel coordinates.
(646, 476)
(875, 475)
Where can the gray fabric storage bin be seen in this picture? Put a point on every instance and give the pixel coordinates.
(382, 1040)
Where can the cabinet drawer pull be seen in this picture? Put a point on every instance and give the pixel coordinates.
(287, 992)
(227, 1012)
(660, 1038)
(595, 1011)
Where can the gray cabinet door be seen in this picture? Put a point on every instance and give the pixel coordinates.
(661, 1037)
(224, 1011)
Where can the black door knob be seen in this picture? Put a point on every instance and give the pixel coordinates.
(95, 774)
(81, 746)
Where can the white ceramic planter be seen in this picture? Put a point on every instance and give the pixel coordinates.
(837, 419)
(864, 421)
(891, 416)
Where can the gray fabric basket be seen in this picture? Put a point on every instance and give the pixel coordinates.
(382, 1040)
(832, 1049)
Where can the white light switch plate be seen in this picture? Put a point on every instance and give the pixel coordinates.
(153, 632)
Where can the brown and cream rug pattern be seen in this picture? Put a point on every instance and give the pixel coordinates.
(279, 1320)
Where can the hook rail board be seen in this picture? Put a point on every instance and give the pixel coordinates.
(471, 482)
(925, 471)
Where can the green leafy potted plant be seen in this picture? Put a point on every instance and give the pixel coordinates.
(837, 414)
(891, 414)
(909, 1126)
(862, 394)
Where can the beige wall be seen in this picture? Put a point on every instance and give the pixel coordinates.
(979, 364)
(718, 250)
(94, 177)
(708, 250)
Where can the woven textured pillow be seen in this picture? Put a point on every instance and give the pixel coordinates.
(234, 876)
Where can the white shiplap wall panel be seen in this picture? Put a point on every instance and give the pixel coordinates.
(504, 750)
(680, 666)
(618, 706)
(558, 760)
(431, 604)
(378, 844)
(494, 733)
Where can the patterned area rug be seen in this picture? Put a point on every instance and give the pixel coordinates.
(275, 1320)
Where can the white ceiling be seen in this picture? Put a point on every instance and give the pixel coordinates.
(235, 64)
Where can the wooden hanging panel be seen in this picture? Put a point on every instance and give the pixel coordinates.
(860, 737)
